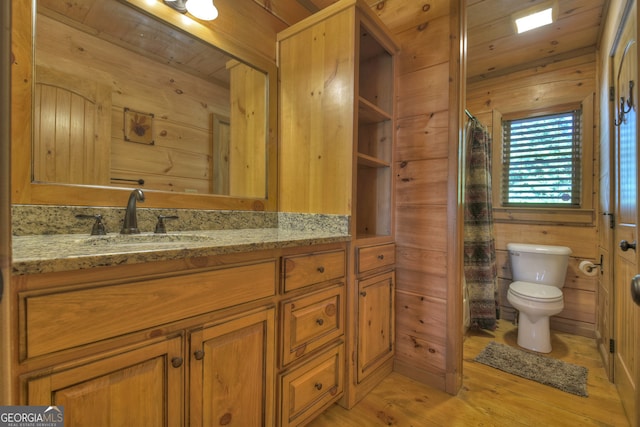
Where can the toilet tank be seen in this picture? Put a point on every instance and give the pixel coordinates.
(539, 263)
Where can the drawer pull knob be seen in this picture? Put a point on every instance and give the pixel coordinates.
(176, 362)
(198, 354)
(320, 322)
(381, 257)
(318, 386)
(321, 269)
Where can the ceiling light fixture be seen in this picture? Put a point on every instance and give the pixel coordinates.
(534, 20)
(201, 9)
(543, 13)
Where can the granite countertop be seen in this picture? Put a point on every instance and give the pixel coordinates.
(33, 254)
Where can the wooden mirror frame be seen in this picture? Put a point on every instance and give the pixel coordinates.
(25, 191)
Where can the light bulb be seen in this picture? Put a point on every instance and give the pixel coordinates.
(202, 9)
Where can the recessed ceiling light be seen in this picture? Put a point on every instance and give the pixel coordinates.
(534, 20)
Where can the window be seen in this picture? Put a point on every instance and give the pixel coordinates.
(541, 160)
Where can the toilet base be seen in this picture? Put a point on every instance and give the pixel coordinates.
(535, 336)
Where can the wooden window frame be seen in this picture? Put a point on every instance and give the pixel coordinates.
(583, 215)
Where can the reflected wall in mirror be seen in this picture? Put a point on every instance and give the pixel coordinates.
(130, 101)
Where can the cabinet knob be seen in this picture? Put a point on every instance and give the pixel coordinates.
(321, 269)
(363, 293)
(318, 386)
(176, 362)
(320, 322)
(198, 354)
(381, 257)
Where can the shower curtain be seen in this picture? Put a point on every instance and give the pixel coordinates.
(479, 243)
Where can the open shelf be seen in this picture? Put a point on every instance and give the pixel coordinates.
(371, 113)
(372, 162)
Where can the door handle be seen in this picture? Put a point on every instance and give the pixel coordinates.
(635, 289)
(625, 246)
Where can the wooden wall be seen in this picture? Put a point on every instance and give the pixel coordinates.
(425, 188)
(566, 82)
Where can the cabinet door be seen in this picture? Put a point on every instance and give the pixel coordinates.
(142, 387)
(375, 322)
(232, 372)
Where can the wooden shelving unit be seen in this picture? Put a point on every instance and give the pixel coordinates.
(336, 157)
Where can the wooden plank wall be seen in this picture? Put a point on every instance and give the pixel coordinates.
(422, 192)
(560, 83)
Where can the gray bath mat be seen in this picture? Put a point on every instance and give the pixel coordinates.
(545, 370)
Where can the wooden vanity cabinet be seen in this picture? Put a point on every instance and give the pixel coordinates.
(312, 346)
(248, 339)
(168, 348)
(372, 319)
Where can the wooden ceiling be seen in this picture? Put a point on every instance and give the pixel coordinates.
(494, 48)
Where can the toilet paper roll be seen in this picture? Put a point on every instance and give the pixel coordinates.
(588, 268)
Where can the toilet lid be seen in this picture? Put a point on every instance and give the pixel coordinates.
(536, 291)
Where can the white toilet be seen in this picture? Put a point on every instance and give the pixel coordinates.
(539, 272)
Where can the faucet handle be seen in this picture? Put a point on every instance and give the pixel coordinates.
(98, 228)
(160, 227)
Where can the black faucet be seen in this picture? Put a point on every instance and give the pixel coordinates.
(130, 225)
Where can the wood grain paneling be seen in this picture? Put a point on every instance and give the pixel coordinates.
(420, 43)
(421, 331)
(413, 177)
(495, 49)
(423, 91)
(581, 240)
(421, 271)
(422, 226)
(425, 174)
(423, 136)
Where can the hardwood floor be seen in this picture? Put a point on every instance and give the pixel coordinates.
(490, 397)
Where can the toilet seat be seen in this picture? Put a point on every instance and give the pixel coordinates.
(536, 292)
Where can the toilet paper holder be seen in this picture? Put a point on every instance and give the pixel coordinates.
(593, 266)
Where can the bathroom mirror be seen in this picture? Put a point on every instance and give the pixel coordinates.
(133, 94)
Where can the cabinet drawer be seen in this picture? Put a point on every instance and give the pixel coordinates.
(311, 321)
(312, 387)
(68, 319)
(305, 270)
(371, 257)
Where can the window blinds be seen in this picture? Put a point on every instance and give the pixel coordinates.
(541, 160)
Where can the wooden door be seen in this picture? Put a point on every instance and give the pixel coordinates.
(375, 322)
(142, 387)
(232, 372)
(627, 314)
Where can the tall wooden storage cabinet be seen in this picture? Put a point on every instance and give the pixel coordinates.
(337, 103)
